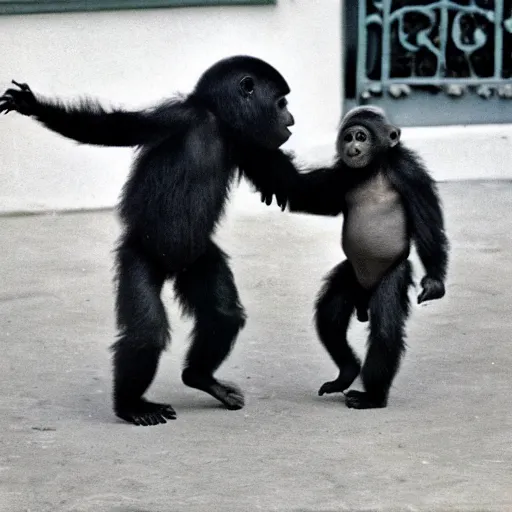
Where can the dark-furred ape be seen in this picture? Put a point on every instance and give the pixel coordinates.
(388, 200)
(189, 152)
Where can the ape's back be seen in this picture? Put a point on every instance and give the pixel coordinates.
(176, 194)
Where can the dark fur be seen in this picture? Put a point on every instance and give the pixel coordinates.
(323, 192)
(188, 154)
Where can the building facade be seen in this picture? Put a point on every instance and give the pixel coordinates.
(135, 53)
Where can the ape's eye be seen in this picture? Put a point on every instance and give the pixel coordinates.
(348, 137)
(282, 103)
(361, 137)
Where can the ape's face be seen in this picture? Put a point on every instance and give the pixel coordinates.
(284, 120)
(365, 135)
(268, 119)
(357, 147)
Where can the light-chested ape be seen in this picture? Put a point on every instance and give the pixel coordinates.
(388, 200)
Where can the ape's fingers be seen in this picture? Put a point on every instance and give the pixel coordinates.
(5, 106)
(23, 87)
(282, 200)
(265, 198)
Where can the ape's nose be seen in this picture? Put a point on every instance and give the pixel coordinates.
(291, 121)
(353, 152)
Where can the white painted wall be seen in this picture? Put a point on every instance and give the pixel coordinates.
(135, 58)
(454, 152)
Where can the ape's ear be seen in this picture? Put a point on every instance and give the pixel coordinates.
(393, 135)
(246, 86)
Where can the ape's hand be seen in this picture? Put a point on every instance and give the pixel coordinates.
(432, 289)
(20, 100)
(281, 181)
(281, 200)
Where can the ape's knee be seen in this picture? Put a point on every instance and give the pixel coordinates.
(159, 337)
(233, 317)
(327, 316)
(320, 322)
(148, 336)
(322, 309)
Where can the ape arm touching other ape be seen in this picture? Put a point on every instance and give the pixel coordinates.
(271, 171)
(319, 191)
(89, 123)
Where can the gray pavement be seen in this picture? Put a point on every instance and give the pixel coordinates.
(444, 442)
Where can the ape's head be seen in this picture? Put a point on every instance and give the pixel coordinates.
(249, 97)
(365, 133)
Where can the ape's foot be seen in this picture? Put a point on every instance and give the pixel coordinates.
(362, 400)
(346, 377)
(229, 394)
(142, 412)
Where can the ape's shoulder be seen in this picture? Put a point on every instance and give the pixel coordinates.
(405, 164)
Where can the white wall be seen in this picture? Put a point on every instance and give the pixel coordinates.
(136, 58)
(454, 152)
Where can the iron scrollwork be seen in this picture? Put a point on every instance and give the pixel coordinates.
(451, 46)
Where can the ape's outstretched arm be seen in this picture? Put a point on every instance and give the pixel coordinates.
(89, 123)
(319, 192)
(274, 173)
(421, 200)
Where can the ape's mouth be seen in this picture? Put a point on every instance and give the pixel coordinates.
(355, 161)
(286, 133)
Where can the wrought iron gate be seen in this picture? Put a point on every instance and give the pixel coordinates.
(431, 62)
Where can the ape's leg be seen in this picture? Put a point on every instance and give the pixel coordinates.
(143, 334)
(207, 290)
(334, 307)
(389, 309)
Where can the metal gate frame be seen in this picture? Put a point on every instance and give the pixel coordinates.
(470, 99)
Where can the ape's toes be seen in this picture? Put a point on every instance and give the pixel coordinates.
(144, 413)
(348, 374)
(230, 395)
(167, 412)
(331, 387)
(234, 402)
(362, 400)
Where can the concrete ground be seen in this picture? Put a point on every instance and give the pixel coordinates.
(444, 442)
